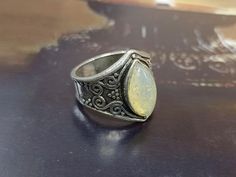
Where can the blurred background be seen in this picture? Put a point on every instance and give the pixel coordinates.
(44, 131)
(28, 25)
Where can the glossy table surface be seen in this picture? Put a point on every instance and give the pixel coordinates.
(45, 133)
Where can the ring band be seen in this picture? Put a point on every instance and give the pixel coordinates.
(120, 84)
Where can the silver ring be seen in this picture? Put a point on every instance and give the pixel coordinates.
(119, 84)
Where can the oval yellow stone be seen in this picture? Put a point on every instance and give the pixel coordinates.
(141, 89)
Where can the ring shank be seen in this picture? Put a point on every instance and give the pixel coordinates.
(97, 67)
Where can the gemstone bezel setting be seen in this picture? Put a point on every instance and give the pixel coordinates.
(136, 92)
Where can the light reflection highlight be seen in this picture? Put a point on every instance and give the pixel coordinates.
(108, 141)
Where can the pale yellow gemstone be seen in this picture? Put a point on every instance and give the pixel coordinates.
(141, 91)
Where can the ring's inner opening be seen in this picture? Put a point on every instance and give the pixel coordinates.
(97, 66)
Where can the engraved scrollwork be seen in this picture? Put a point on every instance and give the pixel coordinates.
(116, 108)
(111, 82)
(96, 88)
(99, 102)
(105, 94)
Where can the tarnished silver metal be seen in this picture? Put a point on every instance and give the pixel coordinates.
(100, 83)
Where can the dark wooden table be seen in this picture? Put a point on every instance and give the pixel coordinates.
(192, 133)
